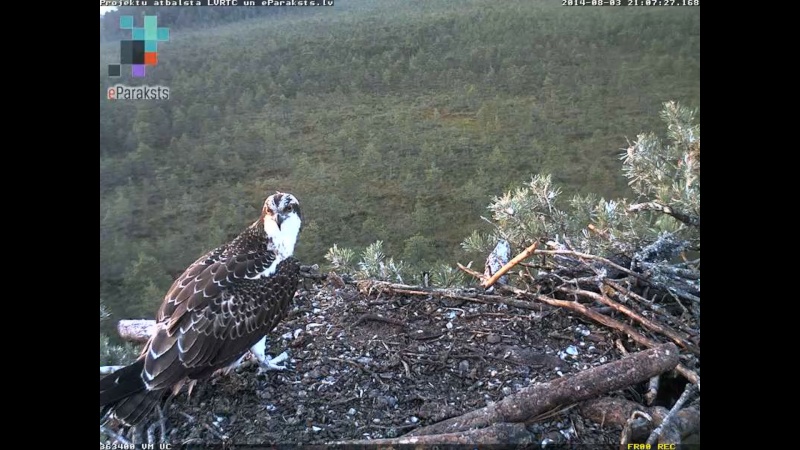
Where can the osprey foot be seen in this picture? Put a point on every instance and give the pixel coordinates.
(269, 363)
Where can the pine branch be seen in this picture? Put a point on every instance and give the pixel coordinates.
(688, 219)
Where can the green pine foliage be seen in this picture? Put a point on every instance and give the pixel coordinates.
(662, 223)
(112, 354)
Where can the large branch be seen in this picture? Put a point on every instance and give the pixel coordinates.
(543, 397)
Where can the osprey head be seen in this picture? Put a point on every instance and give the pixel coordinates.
(282, 221)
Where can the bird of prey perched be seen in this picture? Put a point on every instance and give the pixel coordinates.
(222, 305)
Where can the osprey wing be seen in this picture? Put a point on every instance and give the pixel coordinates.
(215, 312)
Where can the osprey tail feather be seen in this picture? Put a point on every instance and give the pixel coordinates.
(125, 393)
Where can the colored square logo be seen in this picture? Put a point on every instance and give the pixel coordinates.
(141, 49)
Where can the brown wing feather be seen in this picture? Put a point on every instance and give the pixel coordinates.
(214, 312)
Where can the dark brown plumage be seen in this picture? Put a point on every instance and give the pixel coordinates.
(223, 304)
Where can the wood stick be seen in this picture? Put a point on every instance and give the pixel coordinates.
(627, 329)
(616, 411)
(647, 323)
(138, 330)
(517, 259)
(607, 321)
(652, 390)
(540, 398)
(590, 256)
(688, 219)
(687, 392)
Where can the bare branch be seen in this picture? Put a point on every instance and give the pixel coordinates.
(688, 219)
(666, 422)
(517, 259)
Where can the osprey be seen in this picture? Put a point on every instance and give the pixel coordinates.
(222, 305)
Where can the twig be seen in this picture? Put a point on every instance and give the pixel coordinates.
(377, 318)
(601, 233)
(617, 411)
(650, 305)
(607, 321)
(342, 401)
(114, 435)
(627, 430)
(162, 421)
(665, 423)
(590, 256)
(517, 259)
(151, 435)
(359, 366)
(647, 323)
(216, 433)
(396, 427)
(454, 294)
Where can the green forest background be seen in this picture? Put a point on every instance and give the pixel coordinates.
(390, 120)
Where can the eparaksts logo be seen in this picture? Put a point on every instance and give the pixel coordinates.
(122, 92)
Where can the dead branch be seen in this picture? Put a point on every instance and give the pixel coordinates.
(665, 424)
(454, 294)
(377, 318)
(517, 259)
(117, 437)
(688, 219)
(594, 257)
(138, 330)
(535, 400)
(607, 321)
(647, 323)
(500, 433)
(652, 390)
(594, 315)
(647, 304)
(617, 412)
(633, 423)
